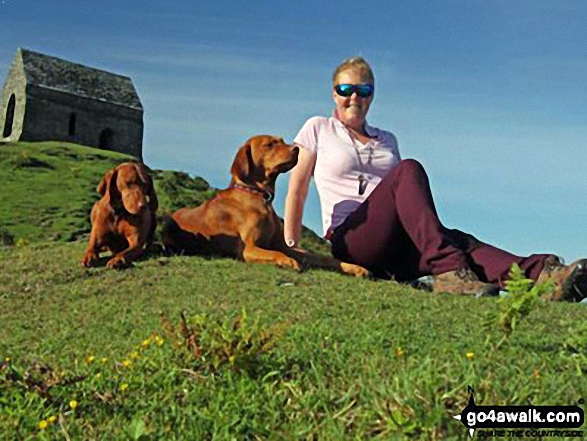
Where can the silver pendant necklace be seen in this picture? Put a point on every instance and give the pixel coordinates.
(363, 181)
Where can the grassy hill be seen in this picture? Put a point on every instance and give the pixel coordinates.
(266, 353)
(51, 188)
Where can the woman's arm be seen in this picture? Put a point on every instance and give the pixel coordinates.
(299, 181)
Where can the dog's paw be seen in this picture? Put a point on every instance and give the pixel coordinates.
(89, 260)
(288, 262)
(117, 263)
(355, 270)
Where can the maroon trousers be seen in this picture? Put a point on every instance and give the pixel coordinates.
(396, 233)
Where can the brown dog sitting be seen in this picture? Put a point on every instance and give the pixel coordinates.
(240, 221)
(123, 221)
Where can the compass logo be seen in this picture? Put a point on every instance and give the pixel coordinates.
(522, 417)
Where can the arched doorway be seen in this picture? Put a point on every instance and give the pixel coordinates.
(72, 123)
(106, 140)
(9, 117)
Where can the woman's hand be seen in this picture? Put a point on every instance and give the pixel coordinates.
(299, 181)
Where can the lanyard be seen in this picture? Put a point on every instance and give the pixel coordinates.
(363, 181)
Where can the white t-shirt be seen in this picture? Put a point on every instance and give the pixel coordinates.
(338, 168)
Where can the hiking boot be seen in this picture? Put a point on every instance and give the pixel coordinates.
(463, 281)
(570, 280)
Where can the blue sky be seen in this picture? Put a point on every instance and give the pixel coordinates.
(490, 96)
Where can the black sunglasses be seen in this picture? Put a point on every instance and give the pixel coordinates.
(364, 90)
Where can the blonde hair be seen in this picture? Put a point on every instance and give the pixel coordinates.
(356, 64)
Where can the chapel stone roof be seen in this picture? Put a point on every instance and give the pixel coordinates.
(54, 73)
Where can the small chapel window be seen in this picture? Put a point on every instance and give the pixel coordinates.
(72, 121)
(106, 139)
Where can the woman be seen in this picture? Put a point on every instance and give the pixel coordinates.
(378, 212)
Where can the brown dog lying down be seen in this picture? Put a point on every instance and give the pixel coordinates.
(240, 221)
(123, 221)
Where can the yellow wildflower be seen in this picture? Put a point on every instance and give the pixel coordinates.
(98, 375)
(159, 341)
(43, 425)
(470, 355)
(399, 352)
(52, 419)
(126, 363)
(134, 355)
(73, 404)
(90, 359)
(7, 359)
(104, 360)
(146, 342)
(123, 386)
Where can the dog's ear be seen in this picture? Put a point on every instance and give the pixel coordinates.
(242, 167)
(104, 182)
(114, 192)
(144, 174)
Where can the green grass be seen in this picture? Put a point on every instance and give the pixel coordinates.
(355, 355)
(348, 359)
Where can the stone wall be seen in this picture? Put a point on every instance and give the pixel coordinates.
(15, 84)
(48, 118)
